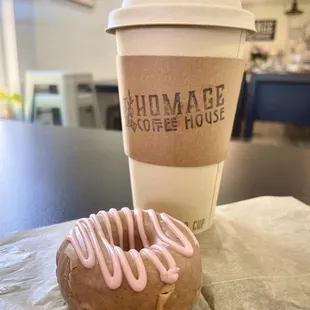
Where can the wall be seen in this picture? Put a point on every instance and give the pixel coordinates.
(275, 10)
(60, 35)
(71, 37)
(9, 57)
(2, 62)
(25, 41)
(25, 35)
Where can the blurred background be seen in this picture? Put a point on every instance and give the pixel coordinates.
(57, 67)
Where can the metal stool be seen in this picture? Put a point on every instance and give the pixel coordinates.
(68, 99)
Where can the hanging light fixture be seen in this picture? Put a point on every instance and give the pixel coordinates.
(294, 9)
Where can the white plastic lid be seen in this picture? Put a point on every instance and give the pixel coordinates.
(220, 13)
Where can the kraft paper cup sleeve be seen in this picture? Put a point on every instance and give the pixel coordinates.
(178, 111)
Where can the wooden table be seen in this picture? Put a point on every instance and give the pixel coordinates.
(52, 174)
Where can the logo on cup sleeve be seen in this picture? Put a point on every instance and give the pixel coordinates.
(189, 110)
(129, 112)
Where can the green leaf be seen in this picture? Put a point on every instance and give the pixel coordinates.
(4, 95)
(16, 98)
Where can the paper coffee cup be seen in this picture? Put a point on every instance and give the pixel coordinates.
(178, 67)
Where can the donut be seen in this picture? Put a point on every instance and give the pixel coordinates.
(129, 260)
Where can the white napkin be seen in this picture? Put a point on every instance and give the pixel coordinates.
(255, 256)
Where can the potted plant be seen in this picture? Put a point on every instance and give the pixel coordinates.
(9, 104)
(258, 58)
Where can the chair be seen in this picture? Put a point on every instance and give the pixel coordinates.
(236, 132)
(278, 98)
(74, 91)
(108, 96)
(114, 118)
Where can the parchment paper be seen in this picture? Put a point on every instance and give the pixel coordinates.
(255, 256)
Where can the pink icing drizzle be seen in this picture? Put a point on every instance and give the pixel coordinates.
(87, 229)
